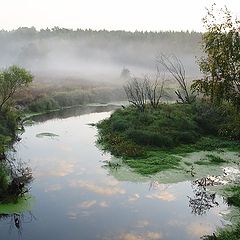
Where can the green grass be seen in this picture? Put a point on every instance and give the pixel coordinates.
(156, 161)
(21, 205)
(211, 159)
(233, 196)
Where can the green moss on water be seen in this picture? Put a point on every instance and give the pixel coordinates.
(21, 205)
(46, 134)
(153, 163)
(211, 159)
(233, 195)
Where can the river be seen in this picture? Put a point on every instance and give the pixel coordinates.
(75, 196)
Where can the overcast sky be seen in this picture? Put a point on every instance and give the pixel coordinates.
(127, 15)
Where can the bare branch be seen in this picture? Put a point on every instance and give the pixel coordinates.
(175, 67)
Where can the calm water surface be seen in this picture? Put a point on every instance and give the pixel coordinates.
(77, 198)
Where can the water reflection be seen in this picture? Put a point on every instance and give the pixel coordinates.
(106, 190)
(16, 221)
(135, 236)
(203, 199)
(19, 176)
(77, 197)
(75, 111)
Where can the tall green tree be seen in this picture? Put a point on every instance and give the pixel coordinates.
(12, 80)
(221, 63)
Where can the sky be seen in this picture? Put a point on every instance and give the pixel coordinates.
(129, 15)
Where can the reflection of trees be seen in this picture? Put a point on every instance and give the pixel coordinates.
(74, 111)
(16, 221)
(14, 179)
(202, 200)
(20, 176)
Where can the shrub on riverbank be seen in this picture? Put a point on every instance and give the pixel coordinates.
(166, 127)
(8, 127)
(55, 99)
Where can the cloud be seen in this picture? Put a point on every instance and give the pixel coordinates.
(65, 147)
(175, 222)
(103, 204)
(199, 229)
(142, 224)
(134, 198)
(103, 190)
(111, 182)
(165, 196)
(87, 204)
(53, 188)
(144, 236)
(153, 235)
(130, 236)
(72, 215)
(60, 168)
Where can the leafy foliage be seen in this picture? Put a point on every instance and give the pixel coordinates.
(221, 66)
(166, 127)
(11, 80)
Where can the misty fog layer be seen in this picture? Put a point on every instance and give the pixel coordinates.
(94, 55)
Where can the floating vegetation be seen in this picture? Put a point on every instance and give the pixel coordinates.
(230, 175)
(23, 204)
(211, 159)
(46, 134)
(91, 124)
(28, 122)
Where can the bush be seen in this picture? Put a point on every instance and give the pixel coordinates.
(8, 123)
(171, 125)
(187, 137)
(209, 117)
(231, 129)
(3, 180)
(120, 125)
(43, 104)
(143, 137)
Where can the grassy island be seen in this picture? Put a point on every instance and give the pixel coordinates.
(151, 141)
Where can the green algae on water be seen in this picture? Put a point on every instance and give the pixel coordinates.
(46, 134)
(23, 204)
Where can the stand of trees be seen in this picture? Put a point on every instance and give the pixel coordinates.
(221, 64)
(11, 81)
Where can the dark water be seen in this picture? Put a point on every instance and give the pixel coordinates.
(77, 198)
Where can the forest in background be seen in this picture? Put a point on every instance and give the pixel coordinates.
(73, 67)
(96, 55)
